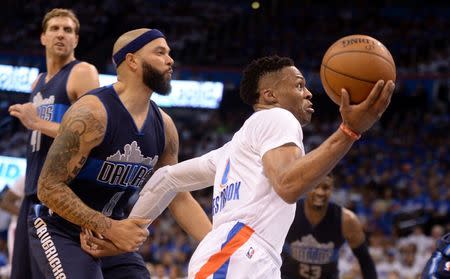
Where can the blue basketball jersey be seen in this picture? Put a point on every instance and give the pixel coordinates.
(52, 101)
(438, 265)
(119, 166)
(312, 251)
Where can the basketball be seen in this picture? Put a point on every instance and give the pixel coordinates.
(356, 63)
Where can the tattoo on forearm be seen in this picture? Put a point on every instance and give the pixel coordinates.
(78, 134)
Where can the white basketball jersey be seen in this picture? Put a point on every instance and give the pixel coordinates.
(242, 192)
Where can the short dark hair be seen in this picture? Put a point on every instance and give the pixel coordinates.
(255, 71)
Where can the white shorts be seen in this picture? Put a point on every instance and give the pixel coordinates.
(234, 251)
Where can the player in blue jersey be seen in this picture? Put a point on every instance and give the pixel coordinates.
(53, 92)
(108, 145)
(317, 233)
(438, 266)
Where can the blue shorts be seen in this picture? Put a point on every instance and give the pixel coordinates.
(56, 248)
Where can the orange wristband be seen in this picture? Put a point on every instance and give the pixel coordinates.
(349, 132)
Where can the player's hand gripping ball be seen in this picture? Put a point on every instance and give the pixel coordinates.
(355, 63)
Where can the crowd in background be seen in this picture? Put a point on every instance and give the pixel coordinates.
(202, 32)
(396, 178)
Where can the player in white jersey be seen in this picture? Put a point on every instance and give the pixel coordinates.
(244, 202)
(259, 175)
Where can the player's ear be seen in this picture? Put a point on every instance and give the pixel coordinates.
(131, 61)
(76, 40)
(267, 96)
(43, 39)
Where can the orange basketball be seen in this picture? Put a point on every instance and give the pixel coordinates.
(355, 63)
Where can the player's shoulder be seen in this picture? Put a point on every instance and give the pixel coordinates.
(349, 218)
(84, 67)
(163, 113)
(83, 73)
(166, 117)
(40, 75)
(169, 125)
(89, 104)
(274, 112)
(89, 115)
(272, 117)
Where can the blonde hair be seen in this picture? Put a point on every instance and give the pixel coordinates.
(57, 12)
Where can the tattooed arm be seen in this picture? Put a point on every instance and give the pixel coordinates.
(82, 128)
(184, 208)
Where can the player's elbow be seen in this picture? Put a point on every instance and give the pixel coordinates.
(288, 199)
(42, 190)
(285, 192)
(290, 188)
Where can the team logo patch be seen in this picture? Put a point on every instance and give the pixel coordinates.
(250, 252)
(129, 168)
(228, 190)
(224, 180)
(132, 154)
(309, 250)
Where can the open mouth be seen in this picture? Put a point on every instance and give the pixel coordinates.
(320, 200)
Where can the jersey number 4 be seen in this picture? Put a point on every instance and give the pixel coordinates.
(109, 207)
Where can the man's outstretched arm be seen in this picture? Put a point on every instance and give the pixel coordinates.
(166, 182)
(184, 208)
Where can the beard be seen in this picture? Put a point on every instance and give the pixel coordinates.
(155, 80)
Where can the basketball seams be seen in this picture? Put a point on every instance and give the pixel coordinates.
(327, 84)
(349, 76)
(358, 68)
(361, 51)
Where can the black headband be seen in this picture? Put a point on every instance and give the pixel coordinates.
(136, 45)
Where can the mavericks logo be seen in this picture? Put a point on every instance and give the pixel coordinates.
(128, 169)
(309, 250)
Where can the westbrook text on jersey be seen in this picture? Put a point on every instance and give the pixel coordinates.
(231, 192)
(227, 193)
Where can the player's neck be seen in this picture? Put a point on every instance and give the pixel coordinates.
(259, 106)
(134, 96)
(315, 215)
(55, 63)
